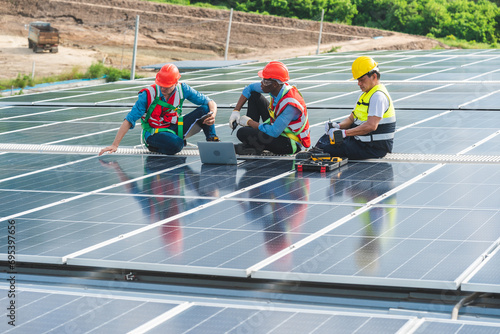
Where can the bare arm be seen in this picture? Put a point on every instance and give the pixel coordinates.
(370, 125)
(253, 124)
(347, 123)
(241, 102)
(118, 138)
(212, 106)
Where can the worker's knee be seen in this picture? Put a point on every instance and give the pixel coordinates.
(165, 143)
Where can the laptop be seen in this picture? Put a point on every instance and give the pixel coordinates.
(217, 153)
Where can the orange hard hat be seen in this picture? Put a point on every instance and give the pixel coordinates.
(167, 76)
(275, 70)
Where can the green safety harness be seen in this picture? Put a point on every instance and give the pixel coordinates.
(146, 127)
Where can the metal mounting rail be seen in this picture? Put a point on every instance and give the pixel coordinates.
(58, 104)
(193, 151)
(37, 148)
(440, 158)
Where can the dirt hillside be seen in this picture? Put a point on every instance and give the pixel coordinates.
(103, 30)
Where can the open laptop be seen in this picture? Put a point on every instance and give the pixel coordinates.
(217, 153)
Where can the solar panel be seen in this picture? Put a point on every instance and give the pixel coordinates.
(485, 277)
(426, 219)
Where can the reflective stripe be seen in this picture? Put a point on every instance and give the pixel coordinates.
(387, 120)
(159, 122)
(292, 101)
(296, 126)
(151, 92)
(177, 97)
(374, 137)
(297, 130)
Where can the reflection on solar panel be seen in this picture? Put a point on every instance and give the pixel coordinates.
(145, 242)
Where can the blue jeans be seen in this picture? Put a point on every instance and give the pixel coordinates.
(168, 143)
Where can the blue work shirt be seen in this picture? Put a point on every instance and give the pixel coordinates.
(141, 106)
(288, 115)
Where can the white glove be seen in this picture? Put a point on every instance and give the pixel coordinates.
(244, 120)
(331, 133)
(334, 125)
(235, 117)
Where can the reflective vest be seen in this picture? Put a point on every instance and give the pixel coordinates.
(297, 130)
(160, 115)
(384, 135)
(163, 203)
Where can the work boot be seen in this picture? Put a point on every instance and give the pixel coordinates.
(242, 149)
(215, 138)
(307, 154)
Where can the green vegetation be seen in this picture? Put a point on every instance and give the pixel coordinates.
(204, 4)
(467, 20)
(463, 44)
(333, 49)
(96, 70)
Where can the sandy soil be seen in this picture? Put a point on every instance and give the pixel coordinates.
(103, 30)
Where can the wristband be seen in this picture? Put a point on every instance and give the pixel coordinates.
(236, 110)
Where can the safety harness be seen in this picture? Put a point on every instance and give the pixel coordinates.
(179, 119)
(303, 120)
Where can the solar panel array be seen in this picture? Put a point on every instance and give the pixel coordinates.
(392, 223)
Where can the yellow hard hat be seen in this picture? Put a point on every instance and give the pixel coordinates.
(362, 65)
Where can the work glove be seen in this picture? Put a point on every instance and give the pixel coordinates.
(244, 120)
(235, 117)
(331, 125)
(336, 136)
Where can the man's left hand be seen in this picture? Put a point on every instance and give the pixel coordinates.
(210, 119)
(244, 120)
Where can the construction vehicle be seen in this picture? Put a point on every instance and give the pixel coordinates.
(42, 37)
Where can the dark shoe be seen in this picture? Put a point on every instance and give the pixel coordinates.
(307, 154)
(213, 139)
(152, 149)
(242, 149)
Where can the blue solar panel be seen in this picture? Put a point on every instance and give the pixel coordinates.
(407, 224)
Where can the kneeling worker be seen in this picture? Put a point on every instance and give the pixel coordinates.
(368, 132)
(160, 109)
(284, 128)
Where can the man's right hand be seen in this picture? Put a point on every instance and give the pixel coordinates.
(336, 136)
(110, 149)
(235, 117)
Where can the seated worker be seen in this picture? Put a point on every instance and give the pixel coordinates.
(160, 109)
(368, 132)
(284, 128)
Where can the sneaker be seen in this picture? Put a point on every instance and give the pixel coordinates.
(213, 139)
(307, 154)
(242, 149)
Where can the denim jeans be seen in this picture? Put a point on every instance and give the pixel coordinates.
(167, 142)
